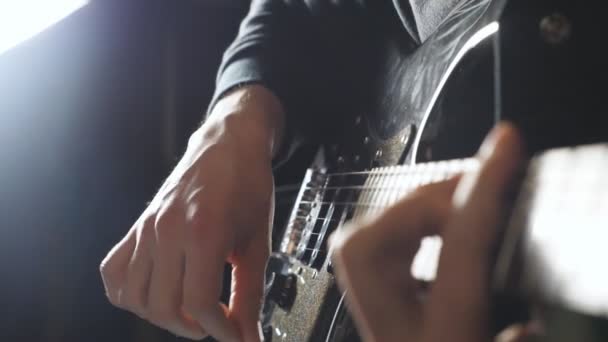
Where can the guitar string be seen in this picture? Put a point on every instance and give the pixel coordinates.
(350, 205)
(355, 204)
(373, 194)
(380, 191)
(427, 177)
(385, 188)
(458, 165)
(323, 230)
(404, 173)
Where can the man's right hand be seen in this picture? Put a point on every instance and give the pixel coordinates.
(215, 207)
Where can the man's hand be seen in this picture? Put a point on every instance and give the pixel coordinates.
(215, 207)
(373, 259)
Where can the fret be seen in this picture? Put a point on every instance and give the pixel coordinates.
(374, 194)
(361, 197)
(328, 200)
(394, 183)
(422, 174)
(377, 192)
(383, 186)
(365, 196)
(382, 195)
(394, 190)
(444, 171)
(407, 182)
(418, 175)
(425, 174)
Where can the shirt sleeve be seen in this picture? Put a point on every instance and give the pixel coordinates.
(304, 52)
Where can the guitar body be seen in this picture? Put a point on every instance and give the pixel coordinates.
(489, 60)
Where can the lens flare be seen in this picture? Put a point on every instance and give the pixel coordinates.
(23, 19)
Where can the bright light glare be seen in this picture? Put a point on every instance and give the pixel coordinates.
(23, 19)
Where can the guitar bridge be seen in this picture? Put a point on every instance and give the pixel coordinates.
(306, 228)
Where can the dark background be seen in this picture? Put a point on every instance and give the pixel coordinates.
(94, 112)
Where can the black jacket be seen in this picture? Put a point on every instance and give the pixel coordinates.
(313, 54)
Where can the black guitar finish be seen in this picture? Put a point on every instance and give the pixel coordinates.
(524, 60)
(407, 107)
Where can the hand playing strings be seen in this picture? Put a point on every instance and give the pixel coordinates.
(215, 207)
(372, 258)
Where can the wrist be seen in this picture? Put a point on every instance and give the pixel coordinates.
(253, 116)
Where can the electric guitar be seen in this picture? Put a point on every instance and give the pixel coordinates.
(530, 61)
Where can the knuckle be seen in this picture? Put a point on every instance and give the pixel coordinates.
(197, 306)
(208, 214)
(108, 271)
(160, 314)
(112, 278)
(204, 226)
(146, 219)
(165, 225)
(113, 296)
(146, 233)
(110, 266)
(135, 307)
(192, 310)
(133, 301)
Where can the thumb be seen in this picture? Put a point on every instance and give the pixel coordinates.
(248, 274)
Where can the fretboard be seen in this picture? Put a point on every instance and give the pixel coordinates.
(328, 200)
(385, 185)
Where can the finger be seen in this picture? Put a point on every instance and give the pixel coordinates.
(203, 283)
(113, 267)
(165, 294)
(134, 295)
(248, 276)
(461, 286)
(373, 262)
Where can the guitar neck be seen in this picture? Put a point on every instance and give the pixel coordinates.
(327, 200)
(383, 186)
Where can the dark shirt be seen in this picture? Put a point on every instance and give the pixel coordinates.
(313, 54)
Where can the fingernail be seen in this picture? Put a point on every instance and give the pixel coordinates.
(492, 140)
